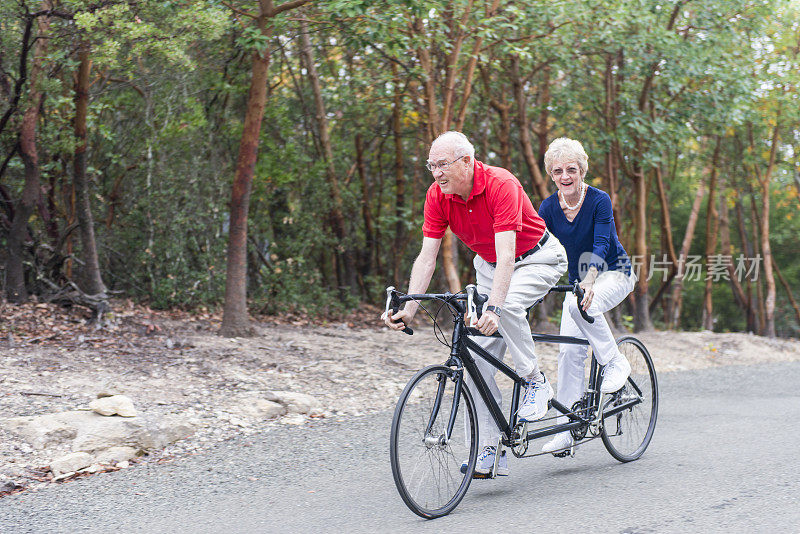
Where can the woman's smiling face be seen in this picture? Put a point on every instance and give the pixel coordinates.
(567, 177)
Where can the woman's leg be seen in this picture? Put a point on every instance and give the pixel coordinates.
(571, 361)
(610, 289)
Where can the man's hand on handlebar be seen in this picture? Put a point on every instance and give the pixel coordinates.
(399, 320)
(488, 323)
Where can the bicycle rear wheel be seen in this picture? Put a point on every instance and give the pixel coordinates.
(426, 465)
(627, 434)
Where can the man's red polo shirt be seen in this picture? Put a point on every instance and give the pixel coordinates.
(497, 203)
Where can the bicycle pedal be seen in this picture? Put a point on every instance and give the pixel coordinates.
(481, 476)
(565, 453)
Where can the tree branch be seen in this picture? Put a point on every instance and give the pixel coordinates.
(275, 10)
(239, 11)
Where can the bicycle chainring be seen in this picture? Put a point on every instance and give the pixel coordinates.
(519, 440)
(579, 408)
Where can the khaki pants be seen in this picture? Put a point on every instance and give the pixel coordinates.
(532, 279)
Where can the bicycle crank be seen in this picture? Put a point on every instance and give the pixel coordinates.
(519, 440)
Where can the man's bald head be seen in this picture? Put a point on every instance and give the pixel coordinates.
(455, 142)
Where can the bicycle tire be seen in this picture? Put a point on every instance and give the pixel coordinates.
(627, 434)
(427, 472)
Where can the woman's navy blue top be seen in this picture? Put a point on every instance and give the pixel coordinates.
(591, 238)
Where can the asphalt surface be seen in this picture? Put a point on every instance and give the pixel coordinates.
(725, 458)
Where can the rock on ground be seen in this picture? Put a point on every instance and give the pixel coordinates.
(114, 405)
(115, 455)
(296, 402)
(70, 463)
(260, 408)
(90, 432)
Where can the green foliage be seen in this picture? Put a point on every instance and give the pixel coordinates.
(168, 95)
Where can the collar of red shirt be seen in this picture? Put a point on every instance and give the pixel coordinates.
(478, 183)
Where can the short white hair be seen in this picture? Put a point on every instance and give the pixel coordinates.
(565, 149)
(458, 141)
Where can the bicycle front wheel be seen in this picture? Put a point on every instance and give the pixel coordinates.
(432, 434)
(627, 434)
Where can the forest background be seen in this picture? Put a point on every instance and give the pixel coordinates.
(269, 157)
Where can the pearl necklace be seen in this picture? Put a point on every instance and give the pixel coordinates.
(580, 200)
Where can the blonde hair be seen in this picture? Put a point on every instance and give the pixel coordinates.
(565, 149)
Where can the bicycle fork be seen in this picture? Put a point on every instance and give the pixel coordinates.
(444, 439)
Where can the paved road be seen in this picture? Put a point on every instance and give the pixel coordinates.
(725, 458)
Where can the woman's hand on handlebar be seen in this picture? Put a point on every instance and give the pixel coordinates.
(588, 287)
(588, 295)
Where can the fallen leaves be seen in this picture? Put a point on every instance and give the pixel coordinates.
(40, 323)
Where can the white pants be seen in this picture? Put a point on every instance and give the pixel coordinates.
(610, 288)
(532, 279)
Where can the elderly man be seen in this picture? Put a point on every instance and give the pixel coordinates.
(517, 262)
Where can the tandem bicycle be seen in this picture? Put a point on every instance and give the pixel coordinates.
(435, 428)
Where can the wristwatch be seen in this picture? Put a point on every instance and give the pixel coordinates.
(494, 309)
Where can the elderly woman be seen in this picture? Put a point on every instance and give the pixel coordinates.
(580, 216)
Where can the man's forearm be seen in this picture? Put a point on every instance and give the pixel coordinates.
(505, 246)
(501, 283)
(421, 274)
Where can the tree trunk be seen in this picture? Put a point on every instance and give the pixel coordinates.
(504, 124)
(400, 180)
(676, 298)
(747, 246)
(712, 224)
(344, 255)
(727, 251)
(641, 319)
(18, 233)
(760, 311)
(369, 233)
(612, 179)
(766, 250)
(668, 244)
(538, 181)
(93, 280)
(235, 319)
(450, 261)
(788, 289)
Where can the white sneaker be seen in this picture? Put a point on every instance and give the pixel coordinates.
(559, 442)
(615, 373)
(534, 403)
(485, 462)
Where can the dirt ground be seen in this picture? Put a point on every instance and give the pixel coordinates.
(52, 360)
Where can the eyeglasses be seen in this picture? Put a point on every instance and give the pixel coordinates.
(433, 166)
(572, 171)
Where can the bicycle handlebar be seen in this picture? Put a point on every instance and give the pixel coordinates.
(579, 293)
(475, 300)
(393, 302)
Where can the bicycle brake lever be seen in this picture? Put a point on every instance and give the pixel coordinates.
(579, 294)
(472, 310)
(393, 304)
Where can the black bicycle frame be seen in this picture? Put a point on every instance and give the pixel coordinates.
(461, 358)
